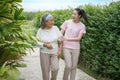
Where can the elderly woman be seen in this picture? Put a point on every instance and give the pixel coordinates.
(49, 37)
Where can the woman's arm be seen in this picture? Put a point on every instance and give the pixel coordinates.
(62, 31)
(60, 49)
(75, 38)
(63, 27)
(41, 44)
(60, 46)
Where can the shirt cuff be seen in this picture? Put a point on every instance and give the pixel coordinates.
(40, 44)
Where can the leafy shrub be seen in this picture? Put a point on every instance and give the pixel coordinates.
(59, 16)
(29, 15)
(13, 40)
(100, 47)
(8, 72)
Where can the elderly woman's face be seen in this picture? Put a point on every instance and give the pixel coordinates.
(50, 22)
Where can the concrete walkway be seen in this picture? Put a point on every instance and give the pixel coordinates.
(33, 69)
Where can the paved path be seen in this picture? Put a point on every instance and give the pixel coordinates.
(33, 70)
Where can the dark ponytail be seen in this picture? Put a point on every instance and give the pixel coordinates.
(82, 13)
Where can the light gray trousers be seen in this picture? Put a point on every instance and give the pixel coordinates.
(71, 59)
(49, 62)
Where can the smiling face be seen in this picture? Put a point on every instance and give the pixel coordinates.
(75, 15)
(49, 23)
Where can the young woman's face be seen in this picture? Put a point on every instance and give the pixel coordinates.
(75, 15)
(50, 22)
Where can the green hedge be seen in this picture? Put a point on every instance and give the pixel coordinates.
(59, 16)
(100, 47)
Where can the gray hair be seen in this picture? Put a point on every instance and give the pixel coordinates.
(43, 20)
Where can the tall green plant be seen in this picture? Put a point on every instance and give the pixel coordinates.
(13, 40)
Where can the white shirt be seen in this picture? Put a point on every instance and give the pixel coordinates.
(49, 36)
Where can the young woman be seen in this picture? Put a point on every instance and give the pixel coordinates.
(49, 51)
(73, 31)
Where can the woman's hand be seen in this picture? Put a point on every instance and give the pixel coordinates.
(62, 38)
(49, 46)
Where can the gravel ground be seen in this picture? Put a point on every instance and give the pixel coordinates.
(33, 69)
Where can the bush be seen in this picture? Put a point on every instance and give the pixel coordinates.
(13, 40)
(29, 15)
(100, 47)
(59, 16)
